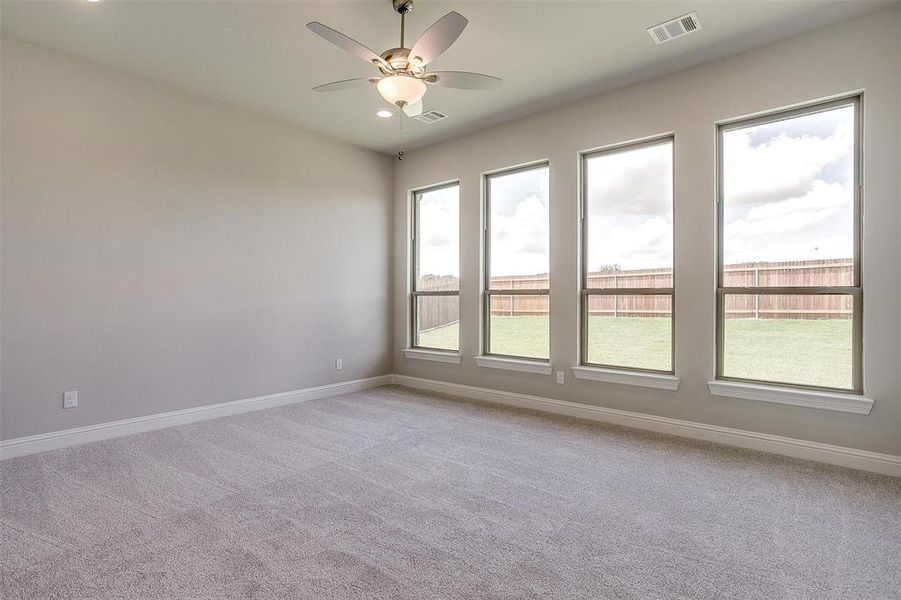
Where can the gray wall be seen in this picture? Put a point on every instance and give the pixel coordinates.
(162, 251)
(859, 54)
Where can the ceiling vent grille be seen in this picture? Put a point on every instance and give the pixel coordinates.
(430, 117)
(675, 28)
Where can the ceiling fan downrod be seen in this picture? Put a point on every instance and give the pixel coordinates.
(402, 7)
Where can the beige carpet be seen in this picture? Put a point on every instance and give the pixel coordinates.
(392, 493)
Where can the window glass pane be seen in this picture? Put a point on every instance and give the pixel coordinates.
(519, 326)
(630, 331)
(629, 212)
(518, 222)
(788, 201)
(438, 239)
(798, 339)
(438, 322)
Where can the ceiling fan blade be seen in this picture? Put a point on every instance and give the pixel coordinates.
(463, 80)
(344, 42)
(413, 110)
(343, 84)
(438, 38)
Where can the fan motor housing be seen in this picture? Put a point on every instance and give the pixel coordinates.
(399, 59)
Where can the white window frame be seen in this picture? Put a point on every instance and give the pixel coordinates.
(855, 290)
(488, 292)
(417, 350)
(587, 292)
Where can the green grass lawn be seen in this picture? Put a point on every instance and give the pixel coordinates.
(814, 352)
(779, 350)
(635, 342)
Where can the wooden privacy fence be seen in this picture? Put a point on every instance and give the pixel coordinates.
(436, 312)
(806, 273)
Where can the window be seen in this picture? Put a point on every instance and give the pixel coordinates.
(435, 297)
(517, 264)
(789, 296)
(627, 257)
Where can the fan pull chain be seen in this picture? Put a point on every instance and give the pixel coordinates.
(401, 154)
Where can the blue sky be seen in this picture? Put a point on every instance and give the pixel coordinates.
(520, 221)
(788, 191)
(630, 208)
(439, 232)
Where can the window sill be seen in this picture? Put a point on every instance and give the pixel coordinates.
(514, 364)
(835, 401)
(432, 355)
(648, 380)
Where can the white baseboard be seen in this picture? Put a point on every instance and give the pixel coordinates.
(886, 464)
(94, 433)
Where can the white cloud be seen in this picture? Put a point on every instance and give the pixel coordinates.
(439, 233)
(635, 181)
(788, 197)
(823, 200)
(519, 241)
(644, 245)
(788, 190)
(815, 225)
(630, 208)
(782, 159)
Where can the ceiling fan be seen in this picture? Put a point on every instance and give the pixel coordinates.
(403, 76)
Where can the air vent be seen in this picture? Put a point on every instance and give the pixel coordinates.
(430, 117)
(675, 28)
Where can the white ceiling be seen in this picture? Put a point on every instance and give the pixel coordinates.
(258, 55)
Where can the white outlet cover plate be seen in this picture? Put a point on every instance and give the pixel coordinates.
(70, 399)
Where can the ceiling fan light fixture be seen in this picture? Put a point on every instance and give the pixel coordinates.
(401, 89)
(403, 71)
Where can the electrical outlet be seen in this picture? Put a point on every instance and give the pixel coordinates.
(70, 399)
(560, 376)
(339, 364)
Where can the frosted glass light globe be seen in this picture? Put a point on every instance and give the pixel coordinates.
(401, 89)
